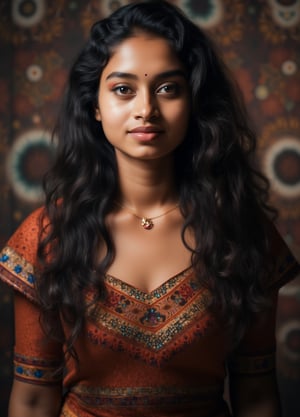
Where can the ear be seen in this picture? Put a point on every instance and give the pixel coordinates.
(98, 114)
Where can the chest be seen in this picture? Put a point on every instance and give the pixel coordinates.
(146, 259)
(152, 325)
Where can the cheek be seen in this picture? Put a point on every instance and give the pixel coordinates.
(178, 118)
(112, 117)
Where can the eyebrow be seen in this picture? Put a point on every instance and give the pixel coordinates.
(165, 74)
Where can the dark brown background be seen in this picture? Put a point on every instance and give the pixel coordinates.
(260, 41)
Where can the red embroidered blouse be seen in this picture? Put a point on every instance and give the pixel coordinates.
(149, 354)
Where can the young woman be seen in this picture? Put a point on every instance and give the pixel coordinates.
(152, 272)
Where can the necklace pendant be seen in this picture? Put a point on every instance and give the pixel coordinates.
(147, 224)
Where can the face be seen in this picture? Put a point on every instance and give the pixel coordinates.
(143, 101)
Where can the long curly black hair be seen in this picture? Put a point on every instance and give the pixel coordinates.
(223, 198)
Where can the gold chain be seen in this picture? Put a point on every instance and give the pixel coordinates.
(146, 222)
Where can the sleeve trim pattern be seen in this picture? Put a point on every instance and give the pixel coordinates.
(253, 365)
(17, 272)
(36, 371)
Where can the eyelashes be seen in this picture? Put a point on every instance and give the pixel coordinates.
(121, 90)
(167, 89)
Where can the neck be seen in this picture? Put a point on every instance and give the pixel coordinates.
(147, 185)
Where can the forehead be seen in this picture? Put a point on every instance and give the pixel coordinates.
(143, 53)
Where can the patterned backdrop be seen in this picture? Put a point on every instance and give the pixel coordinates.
(260, 41)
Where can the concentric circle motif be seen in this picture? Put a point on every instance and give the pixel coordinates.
(110, 6)
(282, 166)
(279, 154)
(30, 157)
(28, 13)
(33, 20)
(289, 67)
(34, 73)
(223, 20)
(261, 92)
(279, 20)
(98, 9)
(285, 13)
(288, 337)
(207, 13)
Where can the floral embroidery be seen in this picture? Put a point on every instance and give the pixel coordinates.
(134, 293)
(152, 317)
(15, 270)
(33, 370)
(118, 302)
(151, 326)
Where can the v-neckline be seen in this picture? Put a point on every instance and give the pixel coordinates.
(143, 295)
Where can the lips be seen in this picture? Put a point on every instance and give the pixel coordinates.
(145, 133)
(146, 129)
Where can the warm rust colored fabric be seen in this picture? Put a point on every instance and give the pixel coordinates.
(149, 354)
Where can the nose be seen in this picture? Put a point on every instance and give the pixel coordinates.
(146, 107)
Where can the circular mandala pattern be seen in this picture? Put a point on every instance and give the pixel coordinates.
(109, 6)
(261, 92)
(219, 17)
(28, 13)
(282, 167)
(280, 20)
(207, 13)
(30, 157)
(281, 77)
(289, 67)
(98, 9)
(43, 82)
(279, 152)
(288, 336)
(34, 73)
(285, 15)
(35, 21)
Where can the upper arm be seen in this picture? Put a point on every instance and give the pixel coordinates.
(37, 358)
(255, 396)
(37, 387)
(252, 371)
(30, 400)
(252, 368)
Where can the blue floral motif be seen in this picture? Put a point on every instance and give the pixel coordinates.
(38, 373)
(4, 258)
(30, 278)
(18, 269)
(19, 370)
(178, 298)
(122, 307)
(152, 317)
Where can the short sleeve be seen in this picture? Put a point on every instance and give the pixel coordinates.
(18, 259)
(256, 353)
(37, 359)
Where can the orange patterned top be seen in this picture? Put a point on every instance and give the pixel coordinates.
(151, 354)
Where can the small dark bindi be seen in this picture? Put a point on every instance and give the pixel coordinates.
(146, 75)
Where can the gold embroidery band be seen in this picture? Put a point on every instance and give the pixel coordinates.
(36, 371)
(145, 396)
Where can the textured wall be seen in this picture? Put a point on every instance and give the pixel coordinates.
(260, 40)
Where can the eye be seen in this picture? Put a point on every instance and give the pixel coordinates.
(170, 89)
(123, 90)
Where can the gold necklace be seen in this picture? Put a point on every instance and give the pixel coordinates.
(146, 222)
